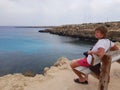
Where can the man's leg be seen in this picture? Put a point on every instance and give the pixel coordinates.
(82, 77)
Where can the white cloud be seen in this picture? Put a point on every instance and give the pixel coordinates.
(57, 12)
(102, 6)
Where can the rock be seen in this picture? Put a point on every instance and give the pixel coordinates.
(62, 63)
(39, 77)
(29, 74)
(86, 31)
(46, 69)
(51, 71)
(118, 44)
(44, 31)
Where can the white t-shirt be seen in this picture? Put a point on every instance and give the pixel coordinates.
(102, 43)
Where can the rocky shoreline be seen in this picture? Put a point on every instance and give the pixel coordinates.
(57, 77)
(86, 31)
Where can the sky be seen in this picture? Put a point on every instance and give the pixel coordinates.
(57, 12)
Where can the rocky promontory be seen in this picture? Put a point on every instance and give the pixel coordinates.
(86, 30)
(57, 77)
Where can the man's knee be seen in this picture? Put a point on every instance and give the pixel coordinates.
(73, 64)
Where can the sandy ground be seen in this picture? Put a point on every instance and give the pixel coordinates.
(57, 77)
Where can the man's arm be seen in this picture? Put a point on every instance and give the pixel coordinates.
(100, 52)
(115, 47)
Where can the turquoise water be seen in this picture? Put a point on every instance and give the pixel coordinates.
(25, 49)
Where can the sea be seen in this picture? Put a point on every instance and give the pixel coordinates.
(27, 50)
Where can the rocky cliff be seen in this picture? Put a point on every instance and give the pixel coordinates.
(57, 77)
(86, 31)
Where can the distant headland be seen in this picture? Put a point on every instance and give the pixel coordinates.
(35, 26)
(86, 30)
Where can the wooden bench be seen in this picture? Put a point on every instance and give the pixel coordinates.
(115, 56)
(106, 61)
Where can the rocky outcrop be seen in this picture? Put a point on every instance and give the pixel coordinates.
(86, 31)
(20, 82)
(61, 64)
(57, 77)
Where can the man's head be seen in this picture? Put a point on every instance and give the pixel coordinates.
(101, 32)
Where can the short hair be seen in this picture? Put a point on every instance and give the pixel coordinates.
(103, 30)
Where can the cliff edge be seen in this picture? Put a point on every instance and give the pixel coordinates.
(86, 31)
(57, 77)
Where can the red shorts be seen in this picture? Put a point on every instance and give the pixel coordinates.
(83, 62)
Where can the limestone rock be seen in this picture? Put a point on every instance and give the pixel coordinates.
(86, 31)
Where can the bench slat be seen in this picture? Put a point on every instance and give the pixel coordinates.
(115, 56)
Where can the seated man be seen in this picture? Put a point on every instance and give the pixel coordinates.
(99, 49)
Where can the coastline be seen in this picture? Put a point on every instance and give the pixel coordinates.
(57, 77)
(35, 26)
(86, 31)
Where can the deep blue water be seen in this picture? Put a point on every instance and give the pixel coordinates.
(25, 49)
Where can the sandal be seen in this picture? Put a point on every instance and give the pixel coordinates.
(78, 81)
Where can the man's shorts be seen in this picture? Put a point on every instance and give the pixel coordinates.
(83, 62)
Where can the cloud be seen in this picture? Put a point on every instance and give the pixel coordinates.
(106, 10)
(57, 12)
